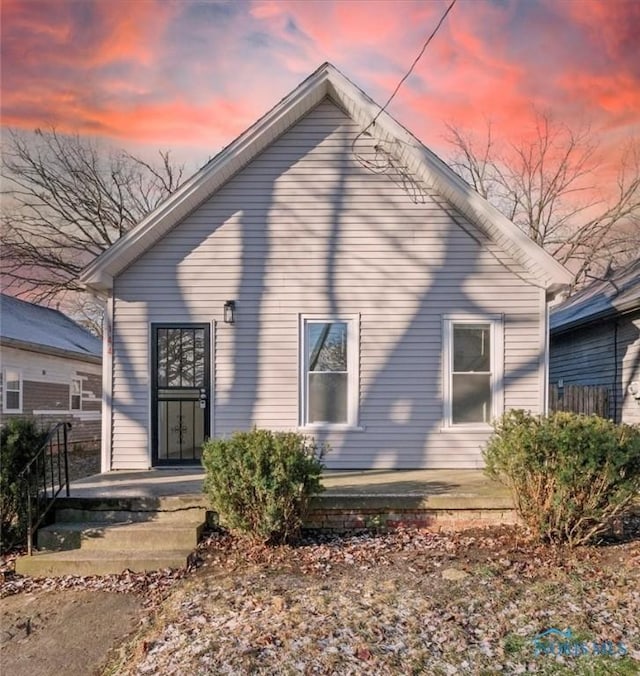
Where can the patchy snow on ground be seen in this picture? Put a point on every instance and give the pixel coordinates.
(409, 602)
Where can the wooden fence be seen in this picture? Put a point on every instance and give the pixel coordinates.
(587, 399)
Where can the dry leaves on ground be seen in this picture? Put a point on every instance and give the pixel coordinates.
(384, 605)
(405, 602)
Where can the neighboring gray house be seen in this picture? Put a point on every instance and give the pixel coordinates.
(595, 340)
(50, 368)
(378, 302)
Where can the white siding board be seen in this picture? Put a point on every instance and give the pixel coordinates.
(305, 229)
(46, 368)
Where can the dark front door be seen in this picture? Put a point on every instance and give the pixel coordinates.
(181, 389)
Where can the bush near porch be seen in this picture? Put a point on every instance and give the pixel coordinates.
(571, 475)
(261, 482)
(20, 440)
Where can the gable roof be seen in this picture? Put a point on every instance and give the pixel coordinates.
(327, 81)
(34, 327)
(602, 299)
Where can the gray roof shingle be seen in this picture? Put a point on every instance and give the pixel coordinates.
(599, 300)
(45, 328)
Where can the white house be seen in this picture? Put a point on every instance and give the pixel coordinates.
(50, 369)
(378, 302)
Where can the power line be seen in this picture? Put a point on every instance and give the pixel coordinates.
(415, 61)
(407, 74)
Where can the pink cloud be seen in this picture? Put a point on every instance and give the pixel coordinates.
(216, 121)
(613, 25)
(178, 73)
(603, 77)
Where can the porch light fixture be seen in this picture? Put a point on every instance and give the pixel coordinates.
(230, 312)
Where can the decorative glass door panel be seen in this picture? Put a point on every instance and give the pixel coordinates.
(181, 392)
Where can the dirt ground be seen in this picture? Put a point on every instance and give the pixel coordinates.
(63, 632)
(408, 602)
(69, 632)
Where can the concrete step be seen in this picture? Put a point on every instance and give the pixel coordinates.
(191, 515)
(190, 508)
(81, 562)
(99, 536)
(129, 536)
(140, 503)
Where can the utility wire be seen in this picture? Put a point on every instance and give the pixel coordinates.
(381, 169)
(413, 65)
(407, 74)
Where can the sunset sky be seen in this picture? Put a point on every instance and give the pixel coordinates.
(190, 75)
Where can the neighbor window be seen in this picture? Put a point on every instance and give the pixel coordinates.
(472, 378)
(76, 394)
(329, 371)
(12, 391)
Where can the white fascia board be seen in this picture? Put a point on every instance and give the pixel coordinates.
(326, 81)
(49, 350)
(100, 284)
(438, 175)
(499, 227)
(100, 273)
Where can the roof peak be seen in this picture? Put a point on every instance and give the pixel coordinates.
(325, 81)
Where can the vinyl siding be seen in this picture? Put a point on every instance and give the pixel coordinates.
(602, 355)
(46, 382)
(306, 229)
(44, 396)
(91, 390)
(629, 337)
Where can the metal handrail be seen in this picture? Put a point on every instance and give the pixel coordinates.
(39, 478)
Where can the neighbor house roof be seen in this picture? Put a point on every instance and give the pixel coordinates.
(41, 329)
(325, 82)
(618, 294)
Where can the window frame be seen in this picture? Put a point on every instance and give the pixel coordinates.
(353, 371)
(20, 390)
(71, 395)
(496, 328)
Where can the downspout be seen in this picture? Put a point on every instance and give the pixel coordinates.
(615, 371)
(107, 384)
(546, 365)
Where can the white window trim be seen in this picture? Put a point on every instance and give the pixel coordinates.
(79, 380)
(496, 323)
(5, 409)
(353, 371)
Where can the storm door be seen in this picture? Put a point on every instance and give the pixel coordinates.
(181, 389)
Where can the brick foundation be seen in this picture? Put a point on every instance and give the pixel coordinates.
(346, 520)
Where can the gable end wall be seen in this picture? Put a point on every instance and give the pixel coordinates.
(306, 229)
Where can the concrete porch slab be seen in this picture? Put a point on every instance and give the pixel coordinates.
(418, 482)
(154, 483)
(437, 488)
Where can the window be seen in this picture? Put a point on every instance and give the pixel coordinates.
(76, 394)
(329, 371)
(12, 391)
(473, 377)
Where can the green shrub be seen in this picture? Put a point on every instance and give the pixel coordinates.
(571, 475)
(20, 439)
(260, 482)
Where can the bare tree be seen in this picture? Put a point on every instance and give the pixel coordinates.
(65, 200)
(548, 186)
(87, 310)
